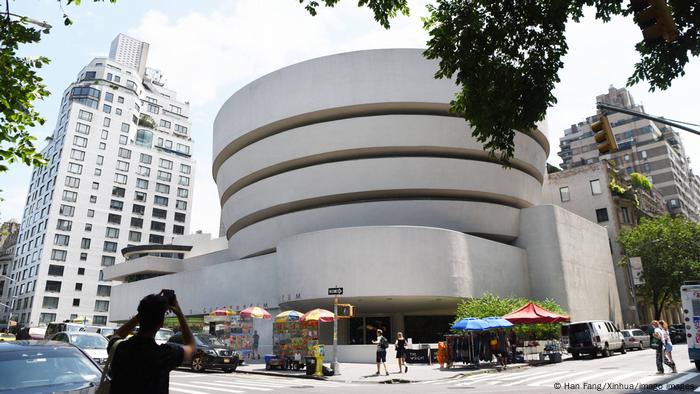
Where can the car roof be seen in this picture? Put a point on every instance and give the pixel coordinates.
(34, 344)
(85, 333)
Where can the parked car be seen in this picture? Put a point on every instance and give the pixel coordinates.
(636, 339)
(592, 337)
(212, 353)
(6, 337)
(95, 345)
(46, 367)
(677, 333)
(163, 335)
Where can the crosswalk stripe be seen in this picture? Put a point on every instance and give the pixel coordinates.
(186, 391)
(678, 380)
(551, 380)
(531, 378)
(229, 384)
(619, 378)
(590, 377)
(494, 376)
(515, 377)
(268, 383)
(208, 388)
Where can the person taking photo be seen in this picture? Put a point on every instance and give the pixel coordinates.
(139, 364)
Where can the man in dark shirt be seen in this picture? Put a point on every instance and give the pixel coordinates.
(139, 364)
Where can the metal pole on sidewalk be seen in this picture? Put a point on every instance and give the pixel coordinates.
(334, 366)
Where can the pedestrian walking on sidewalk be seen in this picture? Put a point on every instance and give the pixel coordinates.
(400, 346)
(659, 347)
(382, 344)
(256, 344)
(668, 345)
(139, 364)
(502, 352)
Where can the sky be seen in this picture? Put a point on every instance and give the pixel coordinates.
(208, 49)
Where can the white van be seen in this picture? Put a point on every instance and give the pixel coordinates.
(592, 337)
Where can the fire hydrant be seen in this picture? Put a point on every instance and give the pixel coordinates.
(319, 353)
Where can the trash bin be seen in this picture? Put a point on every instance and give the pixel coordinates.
(310, 363)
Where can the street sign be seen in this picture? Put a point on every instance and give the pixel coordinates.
(335, 290)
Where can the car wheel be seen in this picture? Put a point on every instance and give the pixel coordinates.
(605, 352)
(198, 364)
(697, 365)
(641, 345)
(576, 356)
(623, 349)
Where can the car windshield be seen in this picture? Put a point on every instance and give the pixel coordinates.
(89, 341)
(208, 340)
(30, 367)
(107, 331)
(163, 335)
(72, 328)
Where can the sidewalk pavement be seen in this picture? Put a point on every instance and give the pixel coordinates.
(366, 373)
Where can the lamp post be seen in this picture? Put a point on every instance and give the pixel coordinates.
(12, 305)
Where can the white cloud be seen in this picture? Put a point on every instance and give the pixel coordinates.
(207, 55)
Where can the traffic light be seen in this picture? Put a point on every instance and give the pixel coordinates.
(604, 135)
(345, 311)
(655, 19)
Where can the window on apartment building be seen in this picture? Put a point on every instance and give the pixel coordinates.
(77, 155)
(107, 261)
(160, 213)
(138, 209)
(141, 183)
(85, 243)
(61, 240)
(162, 188)
(47, 318)
(180, 217)
(178, 229)
(122, 165)
(55, 270)
(155, 239)
(50, 303)
(182, 192)
(109, 246)
(82, 128)
(101, 306)
(104, 291)
(93, 199)
(145, 159)
(165, 124)
(109, 97)
(69, 196)
(159, 200)
(136, 222)
(53, 286)
(76, 301)
(185, 169)
(114, 218)
(81, 271)
(78, 287)
(66, 210)
(100, 160)
(625, 215)
(85, 115)
(95, 186)
(88, 227)
(601, 215)
(134, 236)
(99, 320)
(595, 187)
(157, 226)
(118, 191)
(179, 204)
(83, 257)
(116, 205)
(64, 225)
(112, 232)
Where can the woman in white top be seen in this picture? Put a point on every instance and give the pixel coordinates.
(668, 346)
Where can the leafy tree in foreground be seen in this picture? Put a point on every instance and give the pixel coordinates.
(490, 305)
(20, 86)
(506, 55)
(670, 252)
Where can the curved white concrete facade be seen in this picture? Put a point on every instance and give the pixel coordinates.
(300, 148)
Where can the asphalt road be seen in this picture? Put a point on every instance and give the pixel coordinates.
(633, 372)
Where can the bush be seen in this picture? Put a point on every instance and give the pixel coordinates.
(616, 188)
(491, 305)
(641, 181)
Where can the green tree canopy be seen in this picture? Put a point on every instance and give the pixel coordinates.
(640, 180)
(506, 55)
(670, 252)
(20, 86)
(491, 305)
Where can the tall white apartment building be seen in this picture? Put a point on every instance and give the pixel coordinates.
(645, 146)
(120, 174)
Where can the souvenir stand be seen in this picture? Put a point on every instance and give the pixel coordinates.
(473, 347)
(530, 313)
(287, 342)
(241, 335)
(248, 316)
(311, 321)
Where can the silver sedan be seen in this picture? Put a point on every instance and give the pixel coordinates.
(636, 339)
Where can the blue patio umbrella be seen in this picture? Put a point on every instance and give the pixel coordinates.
(471, 324)
(498, 322)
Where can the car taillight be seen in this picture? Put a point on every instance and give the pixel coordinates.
(631, 339)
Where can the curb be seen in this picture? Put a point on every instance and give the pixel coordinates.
(389, 381)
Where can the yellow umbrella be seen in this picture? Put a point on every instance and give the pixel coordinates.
(222, 312)
(321, 315)
(288, 316)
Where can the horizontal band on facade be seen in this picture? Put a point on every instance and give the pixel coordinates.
(155, 248)
(339, 113)
(260, 253)
(374, 153)
(374, 195)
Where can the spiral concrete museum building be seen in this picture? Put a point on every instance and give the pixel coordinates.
(350, 171)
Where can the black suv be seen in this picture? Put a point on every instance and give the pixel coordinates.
(677, 333)
(212, 353)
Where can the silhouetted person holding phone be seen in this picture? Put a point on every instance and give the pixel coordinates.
(139, 364)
